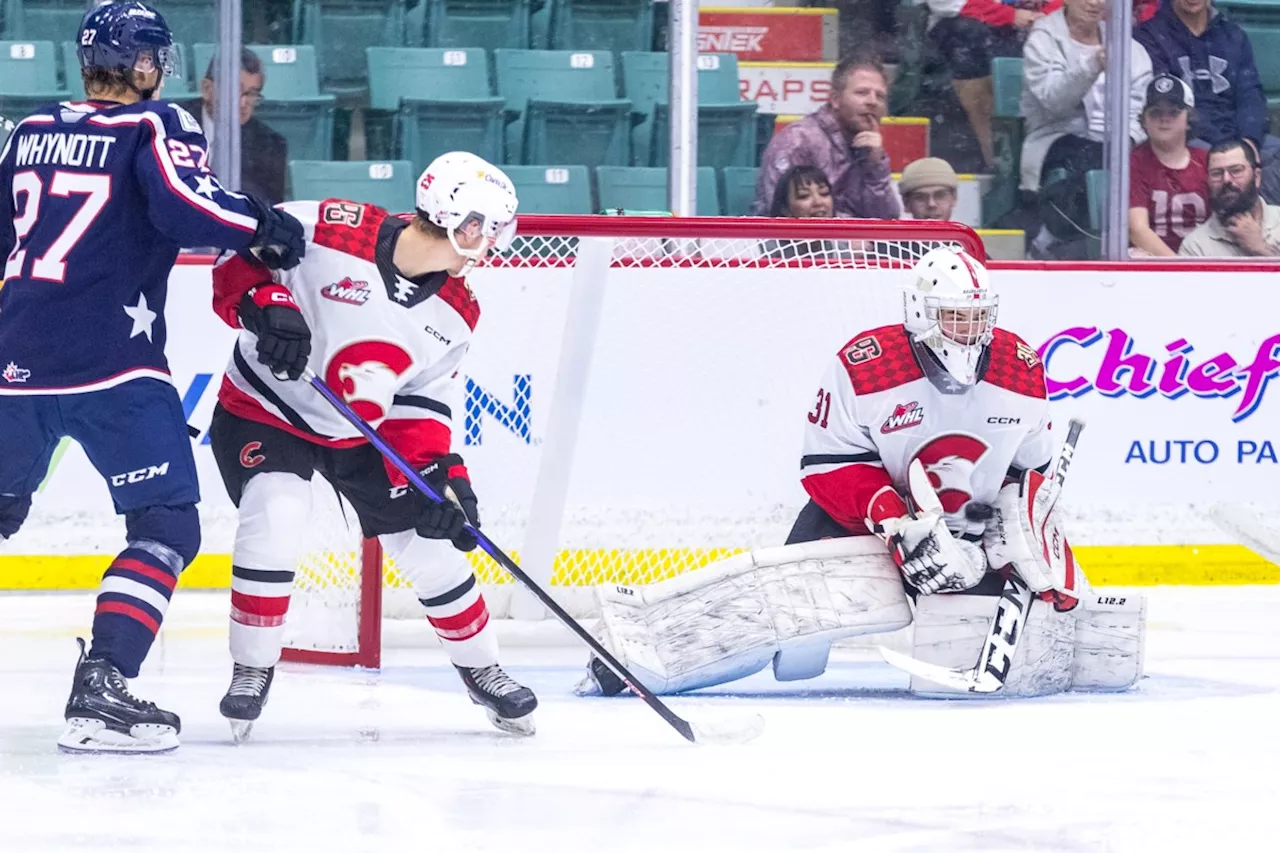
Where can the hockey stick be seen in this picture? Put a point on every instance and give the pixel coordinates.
(1247, 527)
(725, 731)
(988, 675)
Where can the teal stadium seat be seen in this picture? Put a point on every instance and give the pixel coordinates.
(726, 124)
(28, 78)
(389, 184)
(1007, 133)
(292, 105)
(739, 189)
(552, 189)
(487, 24)
(44, 20)
(341, 31)
(189, 20)
(433, 100)
(615, 25)
(645, 188)
(1251, 12)
(564, 107)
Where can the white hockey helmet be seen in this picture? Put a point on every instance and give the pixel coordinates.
(951, 307)
(459, 189)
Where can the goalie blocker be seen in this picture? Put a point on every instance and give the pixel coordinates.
(785, 606)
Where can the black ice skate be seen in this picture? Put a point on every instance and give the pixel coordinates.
(245, 699)
(103, 716)
(509, 705)
(599, 680)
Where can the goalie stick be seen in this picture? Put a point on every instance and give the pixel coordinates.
(1248, 528)
(988, 675)
(739, 730)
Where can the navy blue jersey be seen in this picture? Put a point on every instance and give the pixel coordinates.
(96, 199)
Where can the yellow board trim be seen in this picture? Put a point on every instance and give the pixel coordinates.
(1118, 565)
(767, 10)
(999, 232)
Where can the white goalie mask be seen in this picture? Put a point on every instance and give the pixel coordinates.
(459, 189)
(951, 308)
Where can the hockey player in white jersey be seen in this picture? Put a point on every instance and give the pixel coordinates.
(381, 312)
(967, 400)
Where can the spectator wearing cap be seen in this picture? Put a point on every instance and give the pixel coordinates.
(969, 34)
(1063, 102)
(1242, 224)
(1191, 40)
(928, 188)
(842, 139)
(1168, 196)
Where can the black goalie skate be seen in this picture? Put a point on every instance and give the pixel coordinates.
(245, 699)
(599, 680)
(509, 705)
(103, 716)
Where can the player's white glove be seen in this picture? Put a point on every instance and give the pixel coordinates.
(930, 557)
(1025, 531)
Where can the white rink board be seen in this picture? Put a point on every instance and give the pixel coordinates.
(701, 378)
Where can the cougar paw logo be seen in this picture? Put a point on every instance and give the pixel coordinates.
(863, 349)
(904, 415)
(13, 373)
(343, 213)
(1026, 354)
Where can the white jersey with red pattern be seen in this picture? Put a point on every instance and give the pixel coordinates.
(885, 401)
(390, 346)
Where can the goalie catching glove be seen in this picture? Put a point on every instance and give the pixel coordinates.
(929, 556)
(448, 519)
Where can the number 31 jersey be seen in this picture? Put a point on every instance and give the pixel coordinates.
(885, 400)
(96, 199)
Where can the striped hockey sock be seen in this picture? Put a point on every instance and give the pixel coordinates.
(132, 601)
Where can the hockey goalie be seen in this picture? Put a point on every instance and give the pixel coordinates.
(878, 548)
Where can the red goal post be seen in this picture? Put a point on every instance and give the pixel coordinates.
(666, 362)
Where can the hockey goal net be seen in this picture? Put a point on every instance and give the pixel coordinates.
(633, 404)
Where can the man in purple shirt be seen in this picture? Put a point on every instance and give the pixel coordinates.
(842, 138)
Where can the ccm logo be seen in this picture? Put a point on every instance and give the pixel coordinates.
(999, 420)
(280, 296)
(140, 475)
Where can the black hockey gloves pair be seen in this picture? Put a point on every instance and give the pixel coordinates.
(446, 520)
(284, 340)
(279, 242)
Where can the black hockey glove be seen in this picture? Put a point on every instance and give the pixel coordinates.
(284, 340)
(279, 242)
(448, 476)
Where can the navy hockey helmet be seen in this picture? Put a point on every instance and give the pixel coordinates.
(127, 37)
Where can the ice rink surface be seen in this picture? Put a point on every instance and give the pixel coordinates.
(401, 761)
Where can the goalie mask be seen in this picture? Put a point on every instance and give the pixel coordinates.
(461, 192)
(951, 308)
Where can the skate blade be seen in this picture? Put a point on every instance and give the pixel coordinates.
(521, 726)
(92, 737)
(240, 730)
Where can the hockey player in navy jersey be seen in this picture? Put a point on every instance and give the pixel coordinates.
(96, 198)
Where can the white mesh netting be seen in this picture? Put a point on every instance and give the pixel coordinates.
(710, 342)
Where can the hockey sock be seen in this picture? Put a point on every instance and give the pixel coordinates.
(132, 601)
(460, 618)
(259, 603)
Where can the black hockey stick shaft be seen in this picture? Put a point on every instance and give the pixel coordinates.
(486, 544)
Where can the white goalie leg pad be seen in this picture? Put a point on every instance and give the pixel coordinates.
(731, 619)
(1110, 647)
(951, 630)
(274, 511)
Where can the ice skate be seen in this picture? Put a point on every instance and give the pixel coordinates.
(103, 716)
(245, 699)
(509, 705)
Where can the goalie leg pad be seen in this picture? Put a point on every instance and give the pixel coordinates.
(731, 619)
(1110, 645)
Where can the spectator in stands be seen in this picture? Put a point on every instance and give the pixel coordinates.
(1242, 225)
(1063, 96)
(1168, 196)
(264, 154)
(842, 138)
(928, 188)
(969, 33)
(1189, 39)
(803, 193)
